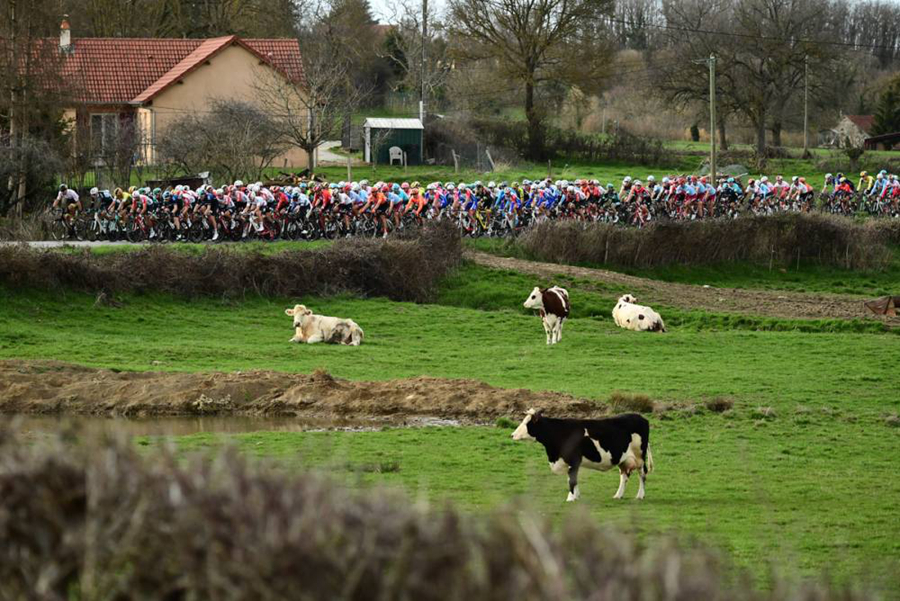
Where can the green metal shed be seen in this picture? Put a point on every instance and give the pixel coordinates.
(389, 140)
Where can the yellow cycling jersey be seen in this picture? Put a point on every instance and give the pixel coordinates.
(866, 183)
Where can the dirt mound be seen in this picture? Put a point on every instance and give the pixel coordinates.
(47, 387)
(788, 305)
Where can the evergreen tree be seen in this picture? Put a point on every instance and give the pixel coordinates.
(887, 113)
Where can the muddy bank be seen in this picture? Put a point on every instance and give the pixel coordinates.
(56, 388)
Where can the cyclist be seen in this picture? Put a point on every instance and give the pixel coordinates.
(69, 204)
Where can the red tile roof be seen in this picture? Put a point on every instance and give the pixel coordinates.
(863, 122)
(125, 70)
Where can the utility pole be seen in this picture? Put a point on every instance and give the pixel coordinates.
(805, 104)
(424, 39)
(712, 119)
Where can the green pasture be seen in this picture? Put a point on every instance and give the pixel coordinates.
(807, 278)
(796, 477)
(801, 494)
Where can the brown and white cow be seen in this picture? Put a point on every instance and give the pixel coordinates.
(311, 328)
(553, 304)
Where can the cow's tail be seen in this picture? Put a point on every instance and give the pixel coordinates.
(648, 464)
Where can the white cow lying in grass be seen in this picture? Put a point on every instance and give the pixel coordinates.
(312, 328)
(636, 317)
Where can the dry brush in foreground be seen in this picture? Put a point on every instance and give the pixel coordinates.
(106, 523)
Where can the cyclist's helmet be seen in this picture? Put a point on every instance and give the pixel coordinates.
(450, 186)
(132, 189)
(95, 191)
(478, 184)
(238, 183)
(167, 196)
(828, 176)
(363, 182)
(650, 179)
(157, 191)
(665, 180)
(880, 175)
(764, 179)
(526, 182)
(730, 180)
(863, 173)
(492, 185)
(609, 186)
(63, 187)
(637, 183)
(795, 179)
(802, 180)
(627, 179)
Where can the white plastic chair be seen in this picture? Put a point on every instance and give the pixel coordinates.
(395, 153)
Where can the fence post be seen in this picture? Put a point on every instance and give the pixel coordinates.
(455, 161)
(490, 160)
(549, 170)
(349, 171)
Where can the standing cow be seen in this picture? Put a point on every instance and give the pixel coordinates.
(601, 444)
(553, 304)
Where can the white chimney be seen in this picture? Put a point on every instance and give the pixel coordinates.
(65, 36)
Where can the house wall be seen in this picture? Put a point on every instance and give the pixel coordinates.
(231, 74)
(847, 129)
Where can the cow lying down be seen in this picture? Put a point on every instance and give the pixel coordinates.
(601, 444)
(631, 316)
(311, 328)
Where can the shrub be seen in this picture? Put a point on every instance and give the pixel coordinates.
(400, 269)
(621, 402)
(719, 404)
(106, 523)
(818, 238)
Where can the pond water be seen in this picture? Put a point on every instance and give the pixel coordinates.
(29, 425)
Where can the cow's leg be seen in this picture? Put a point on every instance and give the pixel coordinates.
(623, 480)
(640, 493)
(559, 325)
(547, 329)
(573, 483)
(314, 338)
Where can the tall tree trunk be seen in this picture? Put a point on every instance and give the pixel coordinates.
(776, 133)
(761, 132)
(723, 141)
(535, 128)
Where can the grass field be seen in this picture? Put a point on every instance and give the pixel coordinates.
(808, 278)
(796, 477)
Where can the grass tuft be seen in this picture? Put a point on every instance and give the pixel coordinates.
(623, 402)
(719, 404)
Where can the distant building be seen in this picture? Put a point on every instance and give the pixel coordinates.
(390, 140)
(149, 82)
(850, 131)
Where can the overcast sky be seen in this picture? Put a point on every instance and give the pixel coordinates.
(381, 9)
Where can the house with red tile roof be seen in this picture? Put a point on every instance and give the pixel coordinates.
(150, 83)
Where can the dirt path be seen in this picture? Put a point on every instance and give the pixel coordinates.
(51, 387)
(793, 305)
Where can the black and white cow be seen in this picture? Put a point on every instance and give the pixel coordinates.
(601, 444)
(553, 303)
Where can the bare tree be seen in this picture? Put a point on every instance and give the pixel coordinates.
(535, 47)
(311, 111)
(234, 140)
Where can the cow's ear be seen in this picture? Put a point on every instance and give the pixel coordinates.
(289, 312)
(537, 415)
